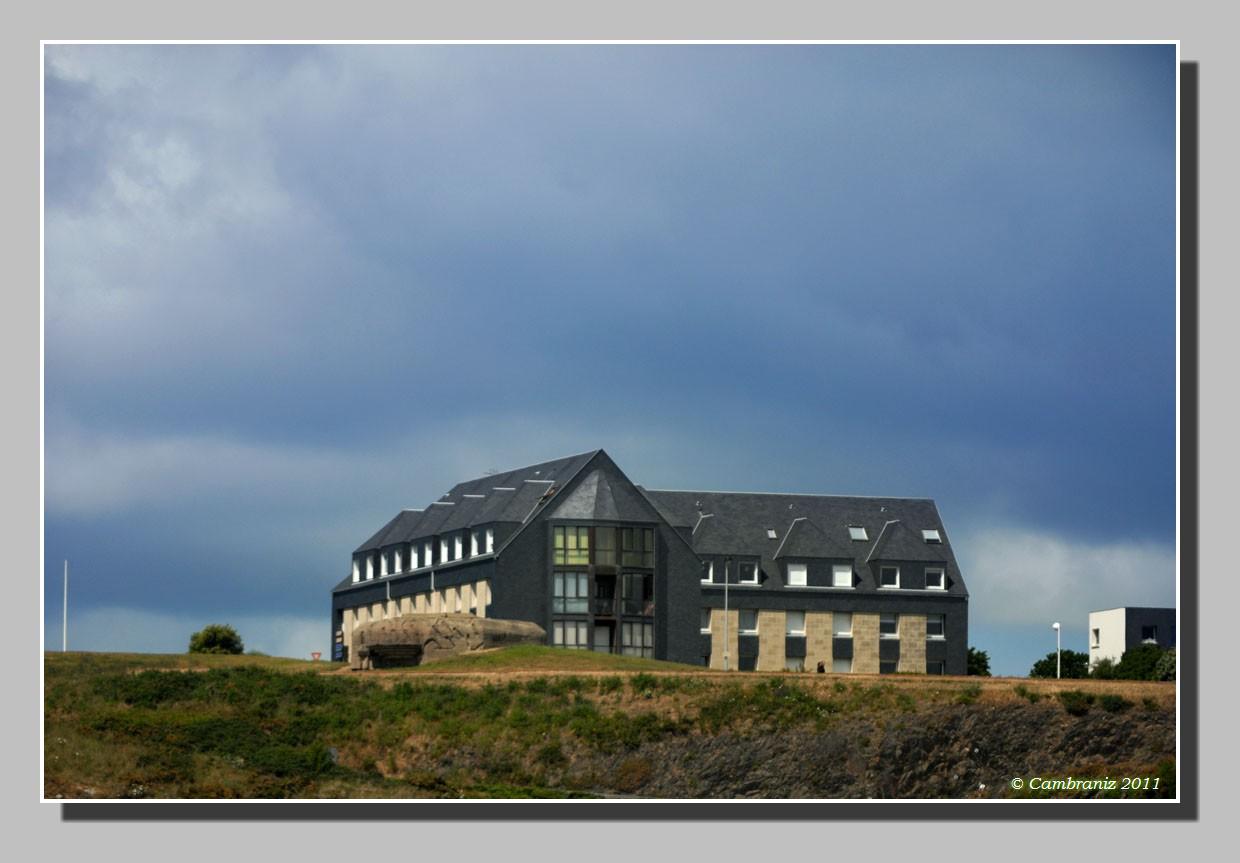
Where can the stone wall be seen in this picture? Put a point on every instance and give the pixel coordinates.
(818, 640)
(912, 644)
(716, 637)
(865, 643)
(771, 631)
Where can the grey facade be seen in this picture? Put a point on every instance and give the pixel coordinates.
(601, 563)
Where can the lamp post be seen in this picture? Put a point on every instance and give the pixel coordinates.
(726, 562)
(1055, 626)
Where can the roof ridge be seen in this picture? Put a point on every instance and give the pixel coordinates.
(590, 453)
(787, 494)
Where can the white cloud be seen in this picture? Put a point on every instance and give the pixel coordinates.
(1018, 576)
(133, 630)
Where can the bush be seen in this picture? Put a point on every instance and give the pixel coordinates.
(1075, 665)
(1076, 702)
(216, 638)
(1165, 667)
(1138, 663)
(1024, 692)
(1104, 669)
(1113, 703)
(979, 663)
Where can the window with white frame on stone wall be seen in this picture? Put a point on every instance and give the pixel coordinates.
(794, 623)
(889, 626)
(842, 665)
(747, 622)
(841, 624)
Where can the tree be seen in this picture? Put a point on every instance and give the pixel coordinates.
(1104, 669)
(216, 638)
(1165, 669)
(1074, 665)
(979, 663)
(1138, 663)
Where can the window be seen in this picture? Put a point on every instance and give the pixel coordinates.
(746, 663)
(1149, 635)
(889, 626)
(637, 593)
(842, 666)
(748, 622)
(458, 550)
(1097, 638)
(605, 546)
(857, 534)
(473, 543)
(770, 533)
(749, 573)
(841, 575)
(794, 623)
(637, 639)
(889, 576)
(443, 550)
(796, 575)
(357, 573)
(490, 540)
(935, 579)
(704, 623)
(887, 666)
(935, 627)
(572, 545)
(794, 664)
(931, 536)
(637, 546)
(841, 624)
(936, 666)
(370, 566)
(426, 554)
(573, 634)
(396, 560)
(708, 572)
(570, 593)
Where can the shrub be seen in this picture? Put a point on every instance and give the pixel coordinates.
(216, 638)
(1164, 669)
(1138, 663)
(969, 694)
(978, 663)
(1075, 665)
(1114, 703)
(1076, 702)
(1104, 669)
(1024, 692)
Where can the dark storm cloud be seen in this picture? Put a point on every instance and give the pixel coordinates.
(305, 286)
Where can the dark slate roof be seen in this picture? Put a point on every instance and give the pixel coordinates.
(814, 526)
(511, 496)
(596, 498)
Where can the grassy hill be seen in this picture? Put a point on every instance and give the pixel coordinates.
(535, 721)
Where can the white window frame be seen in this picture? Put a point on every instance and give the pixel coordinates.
(705, 630)
(443, 550)
(857, 533)
(842, 666)
(370, 567)
(426, 554)
(835, 624)
(490, 540)
(942, 636)
(932, 536)
(801, 568)
(473, 543)
(794, 663)
(882, 586)
(888, 635)
(710, 573)
(839, 569)
(942, 585)
(383, 570)
(740, 629)
(739, 570)
(458, 547)
(788, 630)
(357, 572)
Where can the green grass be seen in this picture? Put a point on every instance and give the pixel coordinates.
(535, 657)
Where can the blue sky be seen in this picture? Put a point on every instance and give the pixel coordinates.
(290, 290)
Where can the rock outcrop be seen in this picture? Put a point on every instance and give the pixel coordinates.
(414, 639)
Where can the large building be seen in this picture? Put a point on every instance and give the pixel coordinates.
(1116, 630)
(844, 584)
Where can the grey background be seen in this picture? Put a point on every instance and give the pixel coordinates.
(1206, 38)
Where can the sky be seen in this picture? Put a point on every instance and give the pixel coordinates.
(291, 290)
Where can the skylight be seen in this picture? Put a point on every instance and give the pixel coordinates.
(857, 533)
(770, 533)
(931, 536)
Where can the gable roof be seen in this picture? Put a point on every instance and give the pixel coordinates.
(597, 498)
(897, 542)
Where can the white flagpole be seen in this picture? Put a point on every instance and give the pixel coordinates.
(64, 625)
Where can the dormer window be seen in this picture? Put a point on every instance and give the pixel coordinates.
(396, 560)
(889, 576)
(749, 573)
(857, 534)
(443, 550)
(708, 572)
(426, 554)
(935, 579)
(770, 533)
(797, 575)
(383, 569)
(931, 536)
(473, 543)
(370, 566)
(490, 540)
(357, 571)
(458, 547)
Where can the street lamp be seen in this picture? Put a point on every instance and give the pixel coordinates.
(1055, 626)
(726, 561)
